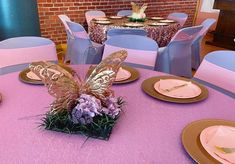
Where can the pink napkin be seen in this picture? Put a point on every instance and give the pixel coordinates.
(167, 87)
(221, 136)
(122, 74)
(32, 75)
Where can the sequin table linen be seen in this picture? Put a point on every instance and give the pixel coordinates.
(148, 131)
(161, 34)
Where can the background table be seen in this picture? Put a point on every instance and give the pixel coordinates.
(148, 131)
(161, 34)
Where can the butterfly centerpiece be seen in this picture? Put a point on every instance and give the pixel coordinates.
(82, 107)
(138, 14)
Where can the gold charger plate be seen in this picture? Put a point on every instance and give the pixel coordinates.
(133, 25)
(148, 88)
(24, 78)
(134, 75)
(157, 18)
(158, 24)
(103, 22)
(167, 21)
(102, 19)
(191, 139)
(115, 17)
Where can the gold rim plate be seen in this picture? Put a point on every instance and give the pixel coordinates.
(158, 24)
(134, 75)
(167, 21)
(191, 139)
(133, 25)
(102, 19)
(148, 88)
(103, 22)
(115, 17)
(24, 78)
(157, 18)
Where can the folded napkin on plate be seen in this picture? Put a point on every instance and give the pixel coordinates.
(122, 74)
(223, 137)
(178, 88)
(32, 75)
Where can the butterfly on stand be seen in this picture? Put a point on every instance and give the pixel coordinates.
(66, 88)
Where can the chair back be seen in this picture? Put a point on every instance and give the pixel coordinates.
(217, 70)
(135, 31)
(16, 53)
(196, 46)
(176, 58)
(64, 19)
(206, 25)
(179, 17)
(124, 13)
(142, 51)
(93, 14)
(81, 50)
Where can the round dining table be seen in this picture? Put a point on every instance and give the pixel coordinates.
(162, 34)
(147, 132)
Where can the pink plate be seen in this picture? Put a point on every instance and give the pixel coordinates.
(219, 136)
(177, 88)
(122, 74)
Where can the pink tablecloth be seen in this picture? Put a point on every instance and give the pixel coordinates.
(148, 132)
(161, 34)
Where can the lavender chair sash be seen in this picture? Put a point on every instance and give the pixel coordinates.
(81, 34)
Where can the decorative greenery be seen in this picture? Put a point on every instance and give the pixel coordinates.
(101, 126)
(136, 20)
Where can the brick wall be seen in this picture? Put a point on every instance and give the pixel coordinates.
(52, 28)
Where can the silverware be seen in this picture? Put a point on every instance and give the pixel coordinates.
(176, 87)
(225, 150)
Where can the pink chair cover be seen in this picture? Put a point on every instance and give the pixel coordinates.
(14, 56)
(142, 57)
(224, 78)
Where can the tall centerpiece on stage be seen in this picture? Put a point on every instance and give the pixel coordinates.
(138, 14)
(82, 107)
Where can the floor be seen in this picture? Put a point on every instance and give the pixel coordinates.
(207, 48)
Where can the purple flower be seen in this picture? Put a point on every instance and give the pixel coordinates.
(88, 107)
(112, 107)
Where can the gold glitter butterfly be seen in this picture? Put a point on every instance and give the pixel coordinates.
(66, 88)
(138, 9)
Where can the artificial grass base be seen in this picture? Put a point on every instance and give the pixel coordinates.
(100, 128)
